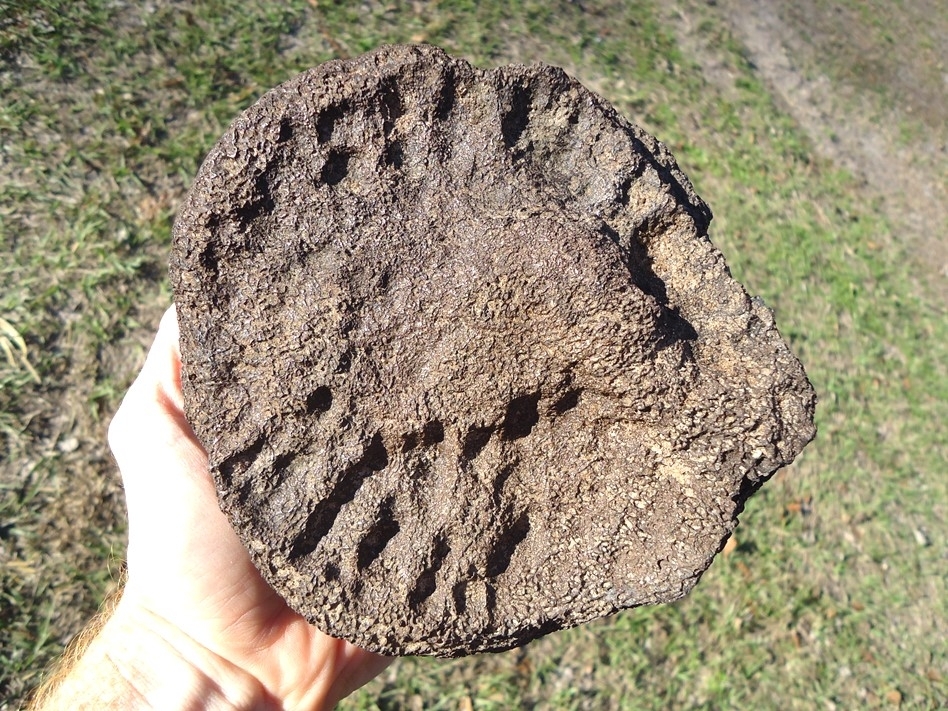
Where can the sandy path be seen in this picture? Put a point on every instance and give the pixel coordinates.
(905, 169)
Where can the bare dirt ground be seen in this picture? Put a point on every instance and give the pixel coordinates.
(871, 103)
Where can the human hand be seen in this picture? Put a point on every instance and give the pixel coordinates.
(192, 590)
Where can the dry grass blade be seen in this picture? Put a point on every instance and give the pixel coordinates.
(14, 347)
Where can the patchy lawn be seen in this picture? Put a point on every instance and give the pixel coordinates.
(836, 594)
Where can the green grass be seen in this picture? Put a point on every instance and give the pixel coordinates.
(836, 592)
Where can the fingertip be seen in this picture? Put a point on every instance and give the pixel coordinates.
(169, 323)
(155, 395)
(161, 374)
(168, 336)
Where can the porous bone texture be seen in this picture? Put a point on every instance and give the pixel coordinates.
(466, 365)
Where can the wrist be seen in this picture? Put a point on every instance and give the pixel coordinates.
(170, 670)
(140, 662)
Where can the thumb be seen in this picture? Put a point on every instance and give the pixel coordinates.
(163, 466)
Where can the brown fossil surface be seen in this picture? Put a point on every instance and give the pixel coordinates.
(466, 365)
